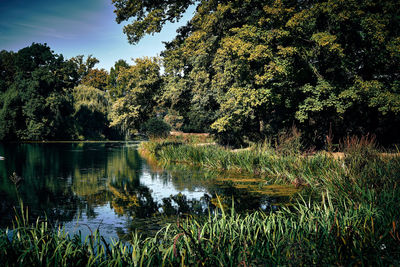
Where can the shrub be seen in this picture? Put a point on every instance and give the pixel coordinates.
(288, 142)
(174, 120)
(156, 127)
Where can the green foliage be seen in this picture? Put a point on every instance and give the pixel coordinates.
(156, 127)
(142, 83)
(7, 69)
(36, 103)
(248, 69)
(175, 120)
(115, 89)
(82, 66)
(90, 112)
(362, 164)
(149, 15)
(241, 70)
(351, 218)
(40, 98)
(96, 78)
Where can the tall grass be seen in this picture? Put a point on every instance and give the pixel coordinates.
(349, 216)
(362, 165)
(352, 217)
(361, 175)
(306, 234)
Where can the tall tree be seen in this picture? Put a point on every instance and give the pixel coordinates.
(37, 103)
(97, 78)
(254, 67)
(115, 89)
(149, 15)
(83, 66)
(142, 83)
(90, 112)
(7, 69)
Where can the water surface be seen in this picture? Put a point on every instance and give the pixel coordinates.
(85, 186)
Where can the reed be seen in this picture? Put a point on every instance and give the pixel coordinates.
(347, 214)
(307, 233)
(361, 164)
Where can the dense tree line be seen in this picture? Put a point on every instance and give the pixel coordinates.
(34, 99)
(45, 97)
(248, 69)
(242, 70)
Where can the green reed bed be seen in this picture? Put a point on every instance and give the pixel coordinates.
(325, 233)
(360, 175)
(352, 217)
(266, 163)
(276, 167)
(348, 213)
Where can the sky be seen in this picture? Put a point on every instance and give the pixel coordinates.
(76, 27)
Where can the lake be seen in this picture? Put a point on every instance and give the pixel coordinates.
(85, 186)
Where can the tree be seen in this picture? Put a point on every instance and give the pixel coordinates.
(37, 104)
(96, 78)
(248, 69)
(150, 15)
(90, 112)
(7, 69)
(156, 127)
(83, 67)
(142, 83)
(115, 89)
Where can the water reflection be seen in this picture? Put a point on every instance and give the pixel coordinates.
(108, 185)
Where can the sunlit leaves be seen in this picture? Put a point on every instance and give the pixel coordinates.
(150, 15)
(142, 83)
(97, 78)
(327, 40)
(279, 63)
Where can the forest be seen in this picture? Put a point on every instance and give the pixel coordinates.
(243, 71)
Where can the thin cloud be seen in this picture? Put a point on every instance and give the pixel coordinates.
(47, 31)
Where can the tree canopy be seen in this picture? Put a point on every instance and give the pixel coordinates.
(241, 70)
(248, 69)
(40, 98)
(36, 105)
(97, 78)
(115, 88)
(149, 15)
(142, 82)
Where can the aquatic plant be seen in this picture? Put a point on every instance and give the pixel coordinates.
(347, 214)
(307, 233)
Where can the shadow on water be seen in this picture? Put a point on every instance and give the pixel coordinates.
(85, 186)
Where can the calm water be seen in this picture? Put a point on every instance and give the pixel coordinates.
(85, 186)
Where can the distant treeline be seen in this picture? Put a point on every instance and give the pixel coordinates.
(242, 70)
(45, 97)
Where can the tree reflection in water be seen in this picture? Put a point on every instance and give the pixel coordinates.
(67, 181)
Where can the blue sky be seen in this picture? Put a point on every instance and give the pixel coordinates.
(76, 27)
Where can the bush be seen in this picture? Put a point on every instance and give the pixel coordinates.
(156, 127)
(174, 120)
(288, 142)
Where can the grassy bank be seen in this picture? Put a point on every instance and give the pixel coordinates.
(360, 166)
(326, 233)
(356, 192)
(348, 213)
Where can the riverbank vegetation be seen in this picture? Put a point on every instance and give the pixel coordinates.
(345, 212)
(360, 164)
(327, 233)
